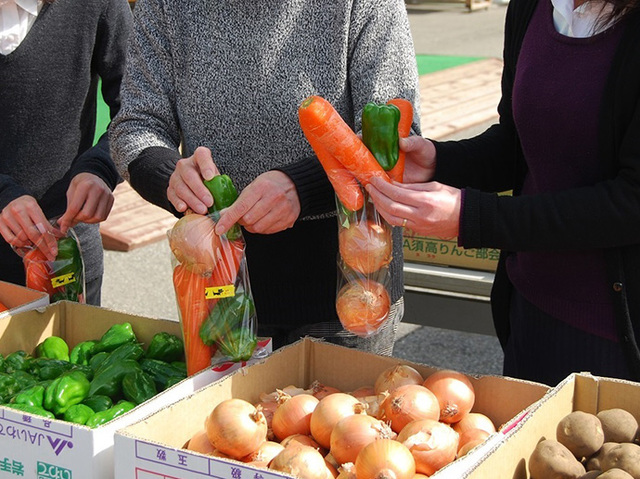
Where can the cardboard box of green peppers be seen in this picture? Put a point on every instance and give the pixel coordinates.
(95, 381)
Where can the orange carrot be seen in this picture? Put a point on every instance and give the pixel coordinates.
(194, 309)
(404, 128)
(322, 125)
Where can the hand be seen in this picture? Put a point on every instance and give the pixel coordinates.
(89, 200)
(22, 224)
(420, 163)
(268, 205)
(431, 209)
(186, 185)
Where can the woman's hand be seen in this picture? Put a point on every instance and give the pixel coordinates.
(186, 185)
(22, 223)
(420, 163)
(89, 200)
(269, 204)
(430, 209)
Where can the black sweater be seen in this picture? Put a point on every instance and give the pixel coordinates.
(48, 109)
(605, 215)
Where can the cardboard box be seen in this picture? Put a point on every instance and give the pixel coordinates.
(152, 448)
(578, 392)
(19, 299)
(35, 447)
(431, 250)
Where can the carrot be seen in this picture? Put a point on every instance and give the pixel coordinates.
(404, 128)
(322, 125)
(194, 309)
(3, 308)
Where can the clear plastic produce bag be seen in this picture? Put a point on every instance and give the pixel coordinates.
(62, 278)
(213, 293)
(365, 251)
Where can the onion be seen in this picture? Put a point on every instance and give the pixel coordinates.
(396, 376)
(347, 471)
(264, 454)
(329, 411)
(362, 306)
(293, 415)
(455, 394)
(409, 403)
(365, 245)
(432, 443)
(301, 461)
(268, 408)
(199, 442)
(320, 390)
(472, 435)
(363, 391)
(194, 244)
(474, 420)
(468, 446)
(236, 428)
(385, 458)
(352, 433)
(304, 440)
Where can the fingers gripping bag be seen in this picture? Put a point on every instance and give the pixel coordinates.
(63, 277)
(212, 286)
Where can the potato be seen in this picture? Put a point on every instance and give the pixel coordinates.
(581, 433)
(615, 473)
(593, 463)
(618, 425)
(624, 456)
(552, 460)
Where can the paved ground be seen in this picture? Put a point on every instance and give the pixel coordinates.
(139, 281)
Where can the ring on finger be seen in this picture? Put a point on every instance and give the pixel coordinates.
(404, 222)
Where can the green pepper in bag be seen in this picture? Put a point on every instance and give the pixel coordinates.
(228, 314)
(68, 278)
(224, 194)
(380, 133)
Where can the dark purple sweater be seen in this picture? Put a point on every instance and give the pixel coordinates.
(557, 97)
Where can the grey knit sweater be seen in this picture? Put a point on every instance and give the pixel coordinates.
(48, 110)
(230, 75)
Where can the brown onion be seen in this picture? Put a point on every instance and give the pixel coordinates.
(455, 394)
(474, 420)
(363, 306)
(352, 433)
(320, 390)
(472, 435)
(432, 443)
(363, 391)
(293, 415)
(194, 243)
(199, 442)
(396, 376)
(264, 454)
(365, 245)
(468, 446)
(385, 458)
(329, 411)
(409, 403)
(236, 428)
(304, 440)
(301, 461)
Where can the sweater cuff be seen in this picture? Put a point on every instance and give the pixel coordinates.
(10, 190)
(469, 235)
(315, 192)
(149, 175)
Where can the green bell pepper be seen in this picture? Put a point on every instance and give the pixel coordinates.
(2, 364)
(69, 389)
(17, 361)
(380, 133)
(138, 386)
(9, 387)
(238, 344)
(24, 379)
(181, 365)
(165, 347)
(227, 315)
(68, 276)
(81, 352)
(121, 353)
(46, 368)
(224, 194)
(97, 359)
(116, 335)
(161, 372)
(31, 396)
(78, 414)
(113, 412)
(172, 381)
(54, 347)
(98, 403)
(108, 381)
(38, 411)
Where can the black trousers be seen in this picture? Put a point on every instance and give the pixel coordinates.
(546, 350)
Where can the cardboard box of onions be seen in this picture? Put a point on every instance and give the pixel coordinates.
(585, 428)
(316, 410)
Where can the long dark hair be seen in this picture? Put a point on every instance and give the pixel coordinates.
(621, 8)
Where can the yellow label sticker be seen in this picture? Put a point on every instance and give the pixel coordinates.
(59, 281)
(217, 292)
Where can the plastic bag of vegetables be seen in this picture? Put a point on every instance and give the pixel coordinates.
(63, 277)
(212, 286)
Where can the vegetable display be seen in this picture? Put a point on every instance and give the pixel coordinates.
(211, 283)
(96, 381)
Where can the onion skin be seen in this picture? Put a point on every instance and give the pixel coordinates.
(362, 306)
(396, 376)
(365, 246)
(264, 454)
(472, 435)
(385, 458)
(352, 433)
(199, 442)
(455, 394)
(432, 443)
(301, 461)
(194, 243)
(409, 403)
(329, 411)
(293, 415)
(474, 420)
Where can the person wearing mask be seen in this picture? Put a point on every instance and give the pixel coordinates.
(224, 80)
(52, 55)
(566, 295)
